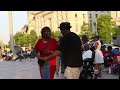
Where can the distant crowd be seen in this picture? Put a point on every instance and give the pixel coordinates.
(20, 54)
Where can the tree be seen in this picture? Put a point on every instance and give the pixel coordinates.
(117, 31)
(104, 27)
(8, 44)
(21, 39)
(18, 38)
(33, 38)
(86, 29)
(56, 34)
(52, 34)
(25, 40)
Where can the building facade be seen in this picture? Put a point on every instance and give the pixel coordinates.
(115, 17)
(31, 21)
(39, 19)
(52, 19)
(93, 15)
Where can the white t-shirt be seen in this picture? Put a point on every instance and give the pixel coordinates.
(10, 54)
(87, 54)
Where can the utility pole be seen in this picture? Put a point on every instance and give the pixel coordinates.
(11, 31)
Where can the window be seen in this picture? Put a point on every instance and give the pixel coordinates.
(90, 22)
(75, 15)
(83, 15)
(90, 16)
(96, 15)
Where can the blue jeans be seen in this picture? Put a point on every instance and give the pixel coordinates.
(45, 71)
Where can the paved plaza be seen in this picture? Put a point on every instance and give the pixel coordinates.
(19, 70)
(29, 70)
(105, 75)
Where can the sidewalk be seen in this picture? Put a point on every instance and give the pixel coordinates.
(30, 70)
(105, 75)
(19, 70)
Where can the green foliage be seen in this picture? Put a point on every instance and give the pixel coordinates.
(117, 31)
(8, 44)
(17, 37)
(33, 37)
(52, 34)
(21, 39)
(104, 27)
(80, 35)
(86, 29)
(56, 34)
(24, 40)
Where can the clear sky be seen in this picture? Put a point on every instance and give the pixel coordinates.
(19, 20)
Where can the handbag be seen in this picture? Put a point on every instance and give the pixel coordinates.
(40, 62)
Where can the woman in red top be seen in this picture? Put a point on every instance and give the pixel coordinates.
(45, 47)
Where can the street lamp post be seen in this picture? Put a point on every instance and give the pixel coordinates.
(96, 28)
(11, 31)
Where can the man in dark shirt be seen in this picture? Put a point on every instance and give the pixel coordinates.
(70, 47)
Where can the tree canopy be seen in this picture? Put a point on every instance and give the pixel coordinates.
(33, 37)
(105, 27)
(25, 40)
(56, 34)
(86, 29)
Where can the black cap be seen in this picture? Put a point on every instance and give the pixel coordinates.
(64, 25)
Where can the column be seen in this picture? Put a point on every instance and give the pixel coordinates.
(55, 21)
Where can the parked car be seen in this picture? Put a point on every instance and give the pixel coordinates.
(113, 47)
